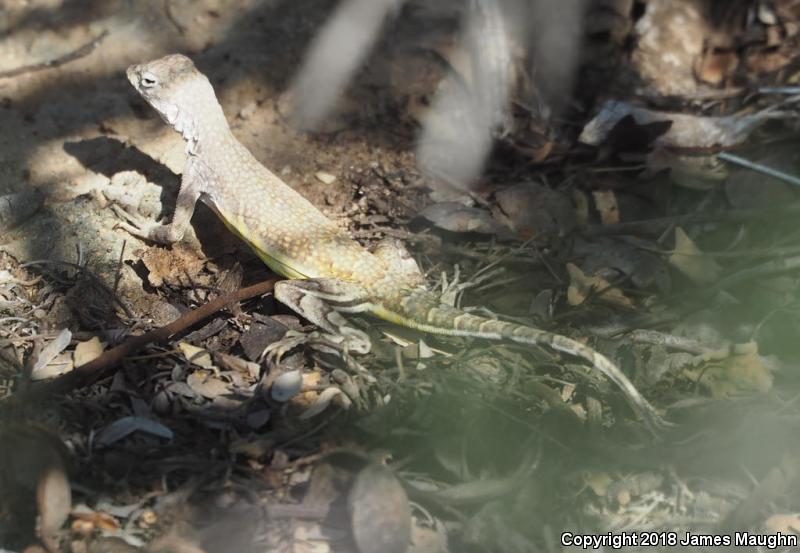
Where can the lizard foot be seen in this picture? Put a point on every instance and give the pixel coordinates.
(320, 300)
(140, 227)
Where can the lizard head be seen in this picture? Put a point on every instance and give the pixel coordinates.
(179, 93)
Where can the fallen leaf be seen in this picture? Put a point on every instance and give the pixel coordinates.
(742, 372)
(208, 385)
(126, 426)
(87, 351)
(96, 519)
(47, 355)
(180, 266)
(685, 131)
(689, 260)
(456, 217)
(581, 285)
(606, 203)
(323, 400)
(196, 356)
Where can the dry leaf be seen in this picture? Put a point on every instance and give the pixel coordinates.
(456, 217)
(689, 260)
(208, 385)
(323, 400)
(180, 266)
(685, 131)
(96, 519)
(580, 286)
(41, 370)
(742, 372)
(126, 426)
(87, 351)
(606, 203)
(196, 356)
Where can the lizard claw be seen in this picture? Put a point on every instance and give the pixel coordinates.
(133, 224)
(142, 228)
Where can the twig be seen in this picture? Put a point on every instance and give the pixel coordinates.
(80, 52)
(91, 371)
(759, 168)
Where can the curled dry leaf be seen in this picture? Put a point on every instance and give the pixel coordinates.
(323, 400)
(41, 370)
(581, 285)
(379, 510)
(251, 371)
(689, 260)
(195, 355)
(685, 131)
(457, 217)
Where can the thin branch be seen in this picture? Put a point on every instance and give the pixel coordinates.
(759, 168)
(78, 53)
(95, 369)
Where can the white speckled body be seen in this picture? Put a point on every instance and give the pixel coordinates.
(297, 241)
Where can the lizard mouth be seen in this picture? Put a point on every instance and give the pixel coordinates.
(133, 73)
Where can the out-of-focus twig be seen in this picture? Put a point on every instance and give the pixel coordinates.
(78, 53)
(96, 368)
(759, 168)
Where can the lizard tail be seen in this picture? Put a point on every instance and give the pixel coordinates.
(420, 310)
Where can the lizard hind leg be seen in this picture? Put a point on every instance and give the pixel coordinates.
(322, 301)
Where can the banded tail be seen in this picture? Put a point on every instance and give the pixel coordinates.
(422, 310)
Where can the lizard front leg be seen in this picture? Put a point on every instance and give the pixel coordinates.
(192, 185)
(321, 301)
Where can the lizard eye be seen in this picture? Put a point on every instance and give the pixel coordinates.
(148, 80)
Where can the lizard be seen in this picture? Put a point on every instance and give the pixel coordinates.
(327, 272)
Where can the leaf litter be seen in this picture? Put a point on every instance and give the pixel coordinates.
(691, 288)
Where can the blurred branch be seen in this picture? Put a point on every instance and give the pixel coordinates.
(80, 52)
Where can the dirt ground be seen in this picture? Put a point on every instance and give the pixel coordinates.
(641, 244)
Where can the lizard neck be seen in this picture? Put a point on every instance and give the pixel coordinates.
(204, 130)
